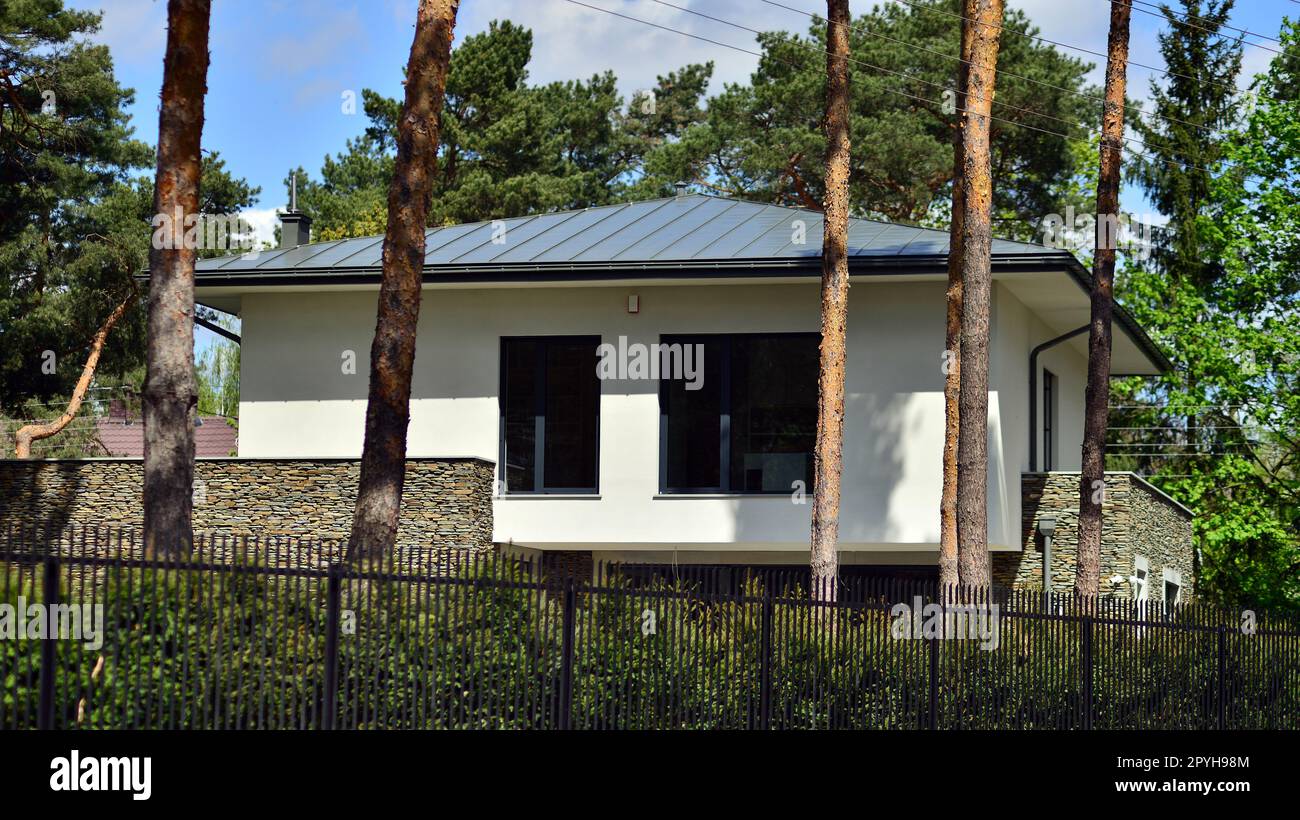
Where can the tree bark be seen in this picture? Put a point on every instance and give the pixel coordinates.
(948, 539)
(1087, 578)
(392, 354)
(977, 284)
(827, 459)
(35, 432)
(170, 391)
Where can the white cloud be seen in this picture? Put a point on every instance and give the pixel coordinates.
(134, 30)
(264, 222)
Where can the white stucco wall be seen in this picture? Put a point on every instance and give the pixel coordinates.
(296, 401)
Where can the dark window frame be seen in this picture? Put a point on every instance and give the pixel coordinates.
(724, 413)
(539, 418)
(1050, 390)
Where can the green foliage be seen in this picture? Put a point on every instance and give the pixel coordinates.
(1221, 295)
(241, 649)
(217, 372)
(509, 149)
(506, 148)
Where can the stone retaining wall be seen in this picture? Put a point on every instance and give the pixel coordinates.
(1137, 519)
(446, 503)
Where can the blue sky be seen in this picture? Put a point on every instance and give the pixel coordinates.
(280, 68)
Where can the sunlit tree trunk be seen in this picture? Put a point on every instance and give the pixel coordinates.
(392, 354)
(170, 391)
(977, 284)
(948, 574)
(1087, 578)
(828, 455)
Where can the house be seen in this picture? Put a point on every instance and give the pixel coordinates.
(644, 377)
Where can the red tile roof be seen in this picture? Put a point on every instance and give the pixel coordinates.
(213, 437)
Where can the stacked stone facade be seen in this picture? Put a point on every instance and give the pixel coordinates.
(1137, 520)
(446, 503)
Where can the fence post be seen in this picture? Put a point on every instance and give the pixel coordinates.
(50, 590)
(765, 663)
(1087, 671)
(329, 708)
(566, 662)
(934, 674)
(1223, 676)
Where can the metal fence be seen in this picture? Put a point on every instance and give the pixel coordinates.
(282, 633)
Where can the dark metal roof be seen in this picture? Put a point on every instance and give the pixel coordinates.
(692, 236)
(682, 229)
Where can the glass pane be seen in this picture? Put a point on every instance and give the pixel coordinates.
(572, 412)
(694, 422)
(521, 362)
(773, 412)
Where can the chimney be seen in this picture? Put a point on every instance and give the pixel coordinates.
(681, 189)
(295, 226)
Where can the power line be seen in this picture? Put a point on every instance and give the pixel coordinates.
(1184, 163)
(1080, 49)
(1187, 18)
(1001, 72)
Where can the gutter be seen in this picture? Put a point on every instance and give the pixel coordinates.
(1049, 261)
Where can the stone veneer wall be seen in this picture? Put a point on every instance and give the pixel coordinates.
(1137, 519)
(446, 503)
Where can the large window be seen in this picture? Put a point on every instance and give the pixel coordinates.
(550, 414)
(750, 425)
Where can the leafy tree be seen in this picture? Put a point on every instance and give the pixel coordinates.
(1228, 441)
(65, 149)
(508, 148)
(763, 140)
(217, 371)
(77, 223)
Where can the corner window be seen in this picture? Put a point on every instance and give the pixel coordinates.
(550, 414)
(750, 424)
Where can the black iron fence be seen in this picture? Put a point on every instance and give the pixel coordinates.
(282, 633)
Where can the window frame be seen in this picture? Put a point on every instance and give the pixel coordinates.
(1050, 391)
(1171, 577)
(539, 417)
(724, 414)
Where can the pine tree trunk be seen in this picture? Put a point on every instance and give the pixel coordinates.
(828, 462)
(35, 432)
(170, 391)
(392, 354)
(977, 285)
(948, 573)
(1087, 579)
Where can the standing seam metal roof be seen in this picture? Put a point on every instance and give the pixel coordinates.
(691, 228)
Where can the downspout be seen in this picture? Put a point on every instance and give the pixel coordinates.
(1033, 390)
